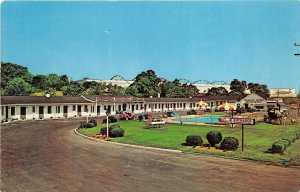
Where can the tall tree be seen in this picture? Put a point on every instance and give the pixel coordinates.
(146, 84)
(40, 82)
(238, 87)
(218, 91)
(63, 81)
(260, 89)
(133, 90)
(175, 89)
(115, 90)
(17, 86)
(11, 70)
(74, 89)
(53, 81)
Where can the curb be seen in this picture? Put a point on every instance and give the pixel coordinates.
(127, 145)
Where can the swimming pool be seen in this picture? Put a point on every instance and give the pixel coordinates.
(203, 119)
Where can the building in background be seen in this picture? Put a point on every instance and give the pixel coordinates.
(283, 93)
(203, 88)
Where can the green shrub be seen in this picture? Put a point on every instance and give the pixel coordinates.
(93, 121)
(104, 121)
(193, 140)
(229, 143)
(115, 126)
(113, 131)
(214, 137)
(90, 125)
(280, 146)
(82, 124)
(117, 132)
(111, 119)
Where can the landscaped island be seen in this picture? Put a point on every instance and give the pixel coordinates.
(258, 139)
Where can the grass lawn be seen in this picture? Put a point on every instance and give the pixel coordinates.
(258, 138)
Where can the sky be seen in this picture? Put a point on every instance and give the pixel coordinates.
(212, 41)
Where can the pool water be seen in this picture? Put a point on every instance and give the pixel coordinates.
(203, 119)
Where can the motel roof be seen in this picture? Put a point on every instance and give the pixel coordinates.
(6, 100)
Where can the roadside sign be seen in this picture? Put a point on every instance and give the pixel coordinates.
(243, 121)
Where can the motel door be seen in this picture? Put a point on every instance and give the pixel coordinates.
(41, 112)
(109, 108)
(124, 106)
(65, 111)
(23, 113)
(79, 110)
(98, 110)
(6, 113)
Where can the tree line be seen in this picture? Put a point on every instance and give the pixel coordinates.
(17, 80)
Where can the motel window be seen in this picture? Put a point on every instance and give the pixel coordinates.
(33, 109)
(85, 108)
(12, 111)
(74, 107)
(49, 109)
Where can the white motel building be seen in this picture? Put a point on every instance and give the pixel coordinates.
(55, 107)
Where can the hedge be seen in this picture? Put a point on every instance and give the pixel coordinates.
(193, 140)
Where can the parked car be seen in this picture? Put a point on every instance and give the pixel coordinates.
(125, 115)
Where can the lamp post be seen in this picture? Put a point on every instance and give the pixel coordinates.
(107, 114)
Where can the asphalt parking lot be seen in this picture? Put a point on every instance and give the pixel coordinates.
(48, 156)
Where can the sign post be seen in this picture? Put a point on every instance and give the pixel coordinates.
(243, 121)
(242, 137)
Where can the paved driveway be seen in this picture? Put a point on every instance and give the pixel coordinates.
(48, 156)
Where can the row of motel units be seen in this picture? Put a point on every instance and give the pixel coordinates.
(33, 107)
